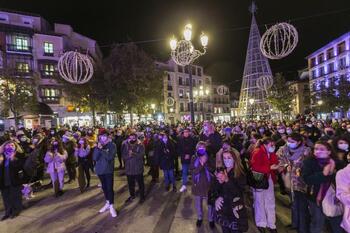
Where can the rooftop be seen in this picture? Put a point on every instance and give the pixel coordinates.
(19, 12)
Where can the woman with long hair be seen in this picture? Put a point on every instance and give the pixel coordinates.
(82, 152)
(227, 194)
(55, 158)
(318, 172)
(12, 162)
(264, 162)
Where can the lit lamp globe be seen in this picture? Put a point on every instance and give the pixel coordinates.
(204, 40)
(188, 32)
(173, 43)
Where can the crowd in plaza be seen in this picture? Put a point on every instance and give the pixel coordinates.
(222, 165)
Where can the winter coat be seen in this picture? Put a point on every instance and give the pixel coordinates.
(261, 161)
(186, 146)
(17, 173)
(312, 174)
(294, 158)
(214, 143)
(133, 163)
(82, 154)
(104, 158)
(202, 176)
(55, 161)
(69, 147)
(233, 209)
(343, 194)
(166, 154)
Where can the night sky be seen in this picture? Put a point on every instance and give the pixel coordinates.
(225, 21)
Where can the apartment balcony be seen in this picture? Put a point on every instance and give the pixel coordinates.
(19, 49)
(50, 99)
(48, 54)
(44, 74)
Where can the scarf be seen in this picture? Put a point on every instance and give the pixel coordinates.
(324, 186)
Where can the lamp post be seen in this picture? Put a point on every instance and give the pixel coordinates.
(184, 54)
(251, 101)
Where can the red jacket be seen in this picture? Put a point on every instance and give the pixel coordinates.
(260, 161)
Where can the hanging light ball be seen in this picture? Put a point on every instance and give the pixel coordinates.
(75, 67)
(264, 82)
(279, 41)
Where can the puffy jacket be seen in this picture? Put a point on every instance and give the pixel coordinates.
(55, 161)
(202, 176)
(261, 161)
(104, 158)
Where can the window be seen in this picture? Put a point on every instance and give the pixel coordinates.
(199, 72)
(193, 70)
(21, 43)
(342, 63)
(187, 81)
(182, 107)
(180, 69)
(180, 81)
(48, 69)
(313, 62)
(169, 78)
(22, 67)
(169, 94)
(331, 67)
(320, 58)
(201, 107)
(199, 82)
(181, 93)
(341, 47)
(330, 53)
(321, 70)
(48, 49)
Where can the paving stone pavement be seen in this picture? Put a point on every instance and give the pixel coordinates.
(162, 212)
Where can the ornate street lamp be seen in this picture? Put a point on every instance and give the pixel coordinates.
(184, 54)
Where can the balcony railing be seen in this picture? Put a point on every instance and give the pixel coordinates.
(19, 48)
(48, 74)
(50, 99)
(49, 54)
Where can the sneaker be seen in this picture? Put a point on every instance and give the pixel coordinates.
(199, 223)
(183, 188)
(212, 225)
(104, 208)
(99, 185)
(112, 211)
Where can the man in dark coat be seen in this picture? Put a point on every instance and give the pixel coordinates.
(133, 152)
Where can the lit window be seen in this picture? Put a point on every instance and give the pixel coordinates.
(21, 43)
(48, 48)
(22, 67)
(49, 69)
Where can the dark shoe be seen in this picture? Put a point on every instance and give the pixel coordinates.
(199, 223)
(167, 188)
(5, 217)
(130, 199)
(87, 185)
(174, 189)
(13, 216)
(261, 229)
(142, 200)
(273, 230)
(212, 225)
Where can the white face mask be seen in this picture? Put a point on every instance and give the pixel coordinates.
(343, 146)
(292, 145)
(271, 149)
(281, 130)
(228, 163)
(321, 154)
(289, 131)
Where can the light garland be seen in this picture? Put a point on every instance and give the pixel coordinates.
(221, 90)
(185, 54)
(264, 82)
(279, 41)
(170, 101)
(75, 67)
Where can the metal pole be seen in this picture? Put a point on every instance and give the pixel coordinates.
(191, 94)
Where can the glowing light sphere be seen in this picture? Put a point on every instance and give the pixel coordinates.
(264, 82)
(279, 41)
(75, 67)
(221, 90)
(184, 53)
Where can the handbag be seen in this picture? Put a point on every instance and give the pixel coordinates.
(259, 180)
(331, 206)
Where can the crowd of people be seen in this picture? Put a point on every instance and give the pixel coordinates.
(223, 165)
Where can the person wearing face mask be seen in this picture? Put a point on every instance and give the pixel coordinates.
(104, 155)
(133, 152)
(227, 195)
(69, 144)
(12, 174)
(343, 194)
(24, 142)
(318, 172)
(342, 150)
(55, 158)
(264, 161)
(186, 148)
(212, 138)
(291, 157)
(202, 168)
(166, 153)
(82, 152)
(226, 146)
(39, 145)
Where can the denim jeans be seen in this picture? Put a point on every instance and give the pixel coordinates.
(169, 177)
(185, 168)
(300, 216)
(198, 201)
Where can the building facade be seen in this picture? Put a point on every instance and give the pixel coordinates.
(30, 46)
(328, 66)
(208, 104)
(301, 90)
